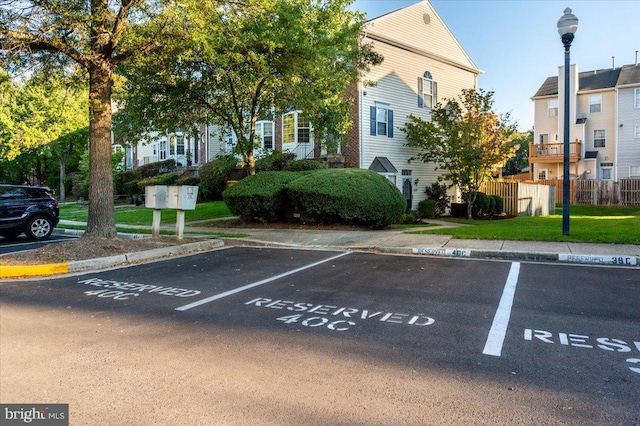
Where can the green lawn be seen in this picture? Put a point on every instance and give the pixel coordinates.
(592, 224)
(139, 215)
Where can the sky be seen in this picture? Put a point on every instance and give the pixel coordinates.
(517, 45)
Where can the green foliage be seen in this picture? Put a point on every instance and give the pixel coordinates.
(438, 193)
(275, 161)
(465, 138)
(482, 204)
(427, 209)
(163, 179)
(188, 180)
(214, 176)
(409, 218)
(261, 197)
(154, 169)
(520, 159)
(352, 196)
(131, 187)
(302, 165)
(499, 204)
(246, 58)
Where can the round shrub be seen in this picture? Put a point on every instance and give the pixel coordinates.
(481, 205)
(274, 162)
(261, 197)
(214, 174)
(302, 165)
(352, 196)
(438, 193)
(427, 209)
(499, 205)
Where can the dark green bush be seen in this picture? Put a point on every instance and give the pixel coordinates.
(131, 188)
(481, 205)
(153, 169)
(499, 205)
(275, 161)
(438, 193)
(261, 197)
(458, 210)
(302, 165)
(352, 196)
(410, 218)
(189, 180)
(214, 175)
(163, 179)
(427, 209)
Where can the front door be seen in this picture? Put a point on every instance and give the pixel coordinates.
(407, 187)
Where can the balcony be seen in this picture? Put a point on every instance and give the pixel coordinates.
(554, 152)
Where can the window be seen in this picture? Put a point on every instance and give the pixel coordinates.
(599, 138)
(296, 128)
(634, 172)
(637, 132)
(180, 145)
(542, 174)
(595, 103)
(606, 171)
(637, 98)
(553, 107)
(172, 145)
(427, 91)
(381, 120)
(264, 132)
(163, 149)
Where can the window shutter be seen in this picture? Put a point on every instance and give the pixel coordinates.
(420, 93)
(390, 123)
(435, 93)
(372, 120)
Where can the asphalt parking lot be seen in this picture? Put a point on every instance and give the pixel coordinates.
(22, 243)
(569, 330)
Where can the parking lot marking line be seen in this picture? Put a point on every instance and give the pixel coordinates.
(498, 331)
(258, 283)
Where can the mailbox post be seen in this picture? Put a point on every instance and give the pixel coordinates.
(181, 198)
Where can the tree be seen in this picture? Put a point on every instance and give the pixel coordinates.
(64, 147)
(465, 138)
(235, 64)
(97, 35)
(520, 159)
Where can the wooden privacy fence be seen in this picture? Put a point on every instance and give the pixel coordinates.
(625, 192)
(523, 199)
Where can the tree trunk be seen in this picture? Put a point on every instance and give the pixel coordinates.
(63, 165)
(101, 221)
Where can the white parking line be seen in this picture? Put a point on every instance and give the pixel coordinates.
(498, 331)
(256, 284)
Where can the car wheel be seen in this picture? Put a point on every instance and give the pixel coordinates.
(39, 228)
(10, 235)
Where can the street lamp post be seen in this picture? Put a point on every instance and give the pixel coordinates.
(567, 26)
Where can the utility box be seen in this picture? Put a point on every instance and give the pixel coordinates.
(182, 197)
(155, 197)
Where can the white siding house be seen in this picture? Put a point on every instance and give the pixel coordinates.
(604, 122)
(423, 64)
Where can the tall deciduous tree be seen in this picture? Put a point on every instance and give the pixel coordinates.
(98, 35)
(465, 138)
(232, 64)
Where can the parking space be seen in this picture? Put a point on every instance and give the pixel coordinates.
(22, 243)
(564, 328)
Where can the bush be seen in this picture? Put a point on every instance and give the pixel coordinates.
(458, 210)
(438, 193)
(188, 180)
(275, 161)
(131, 188)
(427, 209)
(499, 205)
(352, 196)
(153, 169)
(163, 179)
(214, 175)
(302, 165)
(261, 197)
(481, 205)
(410, 218)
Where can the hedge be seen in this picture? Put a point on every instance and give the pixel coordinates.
(261, 197)
(352, 196)
(213, 176)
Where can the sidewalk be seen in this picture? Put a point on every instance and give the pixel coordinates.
(398, 241)
(385, 241)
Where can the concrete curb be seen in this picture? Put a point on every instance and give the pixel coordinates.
(108, 262)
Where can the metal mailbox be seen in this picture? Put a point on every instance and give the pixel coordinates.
(155, 197)
(182, 197)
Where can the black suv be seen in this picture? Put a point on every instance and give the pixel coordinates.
(28, 209)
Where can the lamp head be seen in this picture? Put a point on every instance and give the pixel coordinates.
(568, 23)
